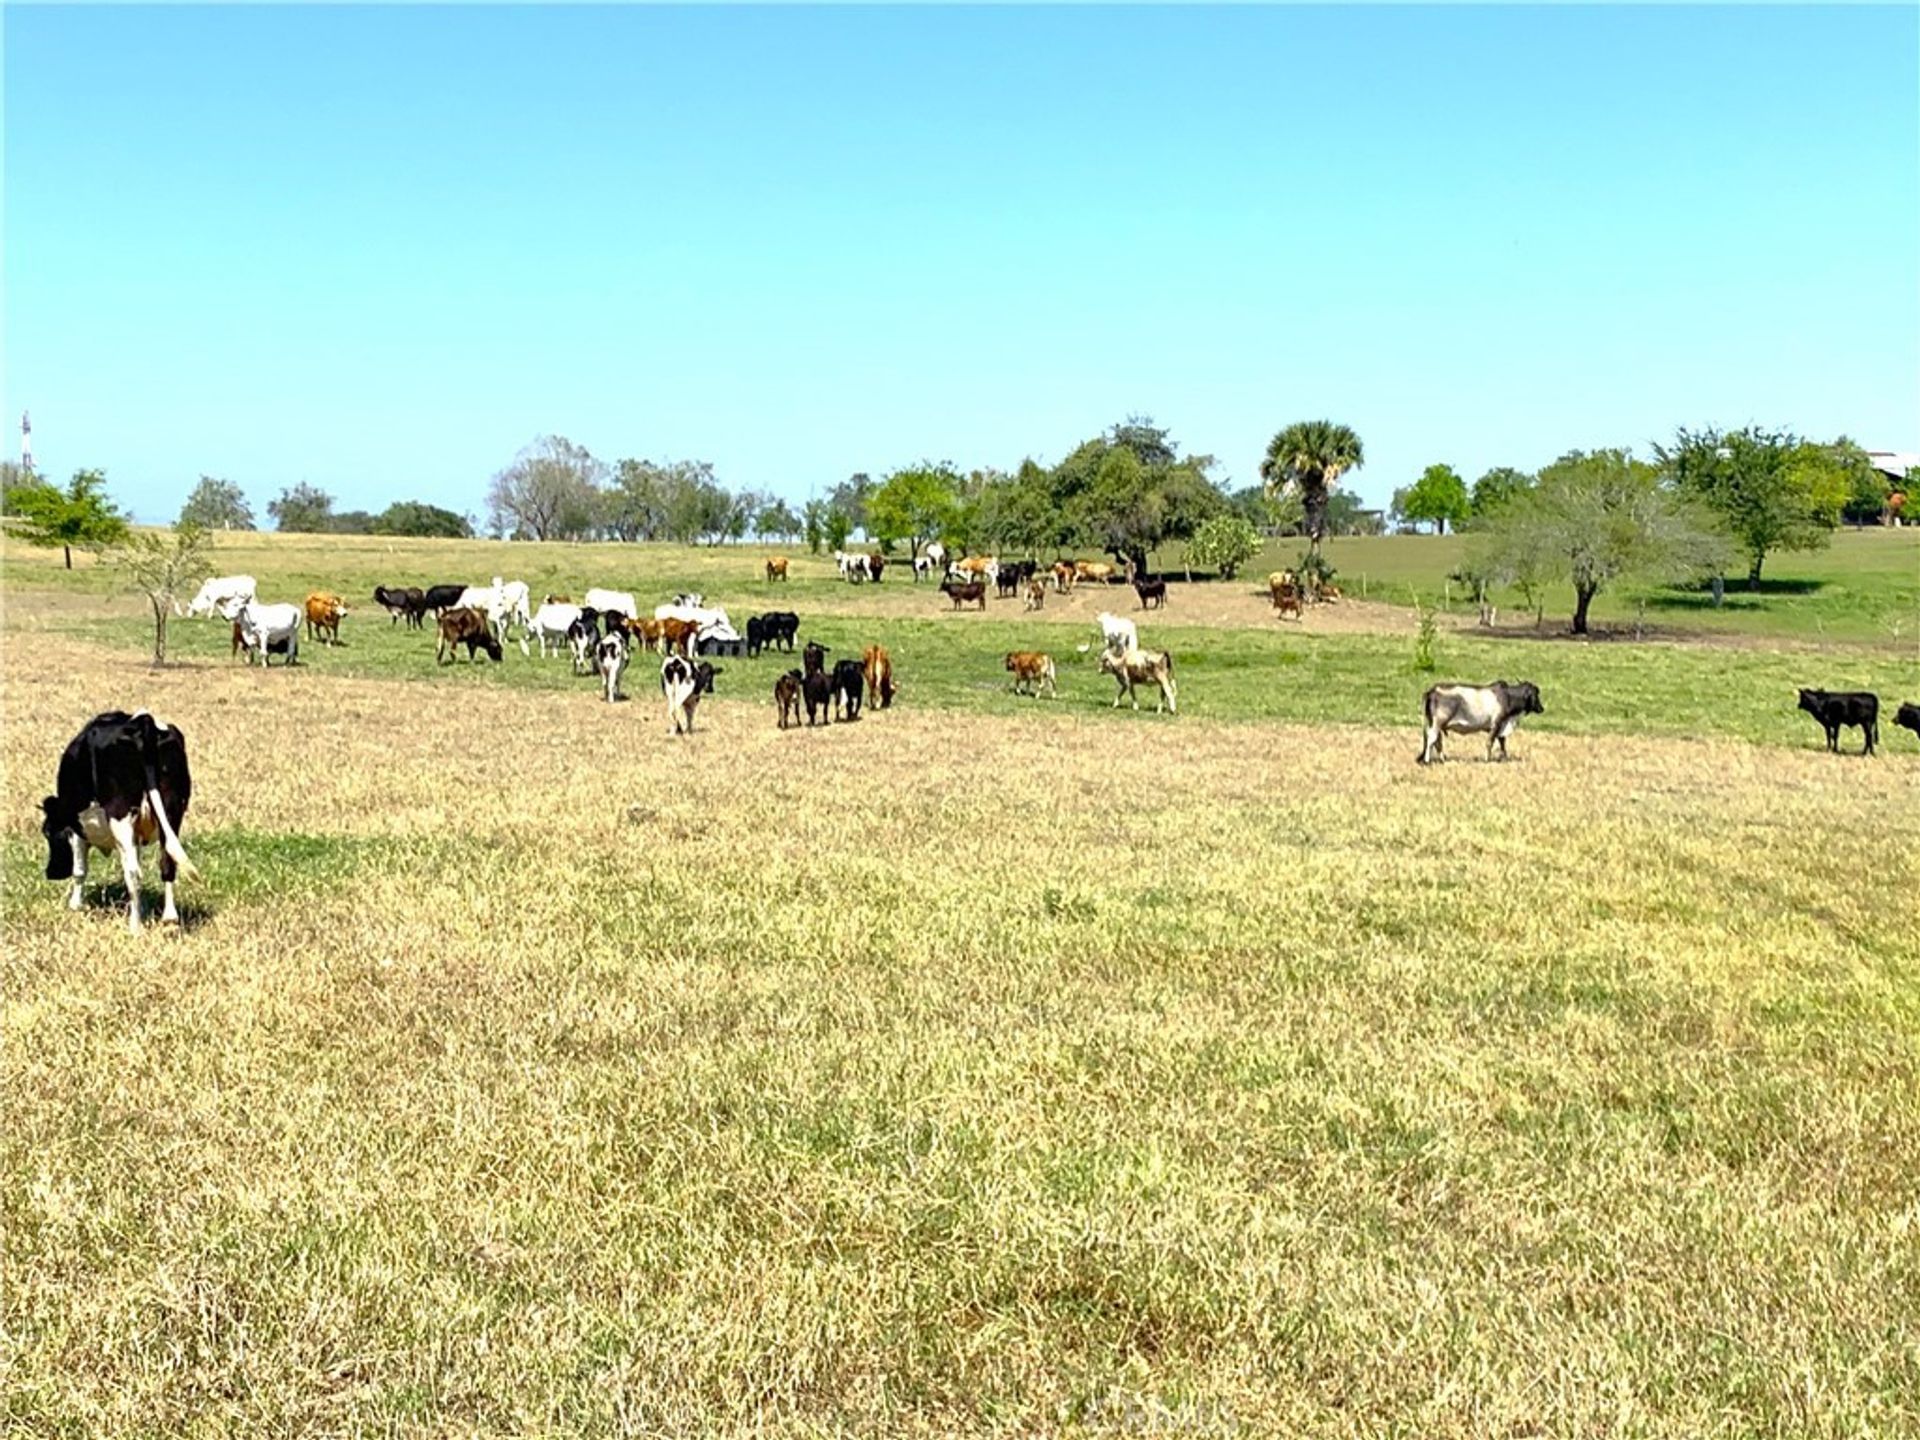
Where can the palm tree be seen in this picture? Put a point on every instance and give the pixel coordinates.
(1311, 455)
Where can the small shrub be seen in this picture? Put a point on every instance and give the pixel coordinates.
(1424, 660)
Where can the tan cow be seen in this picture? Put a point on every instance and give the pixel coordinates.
(1032, 670)
(1063, 576)
(325, 610)
(877, 666)
(776, 568)
(1130, 667)
(1096, 572)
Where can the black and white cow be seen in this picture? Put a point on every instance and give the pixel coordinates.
(611, 659)
(1835, 708)
(1494, 710)
(683, 682)
(123, 783)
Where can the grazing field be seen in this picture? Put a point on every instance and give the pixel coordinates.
(986, 1066)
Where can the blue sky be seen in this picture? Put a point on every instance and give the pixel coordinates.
(382, 249)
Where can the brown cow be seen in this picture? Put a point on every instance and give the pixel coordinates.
(468, 626)
(644, 632)
(1036, 593)
(776, 568)
(676, 634)
(1064, 575)
(324, 613)
(1032, 669)
(1286, 596)
(786, 695)
(976, 592)
(558, 600)
(877, 666)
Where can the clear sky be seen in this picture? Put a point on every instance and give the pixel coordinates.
(382, 249)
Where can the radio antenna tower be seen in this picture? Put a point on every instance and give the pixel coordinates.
(26, 441)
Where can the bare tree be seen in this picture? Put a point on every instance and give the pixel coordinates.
(163, 566)
(550, 492)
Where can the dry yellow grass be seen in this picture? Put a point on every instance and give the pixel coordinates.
(525, 1072)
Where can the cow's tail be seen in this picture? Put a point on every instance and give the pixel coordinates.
(170, 839)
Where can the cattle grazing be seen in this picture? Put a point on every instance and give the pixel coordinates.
(1032, 672)
(936, 554)
(1835, 708)
(1064, 574)
(122, 783)
(645, 632)
(1286, 597)
(1494, 710)
(1134, 666)
(1908, 718)
(756, 635)
(1117, 632)
(1036, 593)
(1097, 572)
(504, 603)
(441, 598)
(1152, 593)
(551, 624)
(1007, 584)
(683, 682)
(216, 596)
(776, 568)
(407, 603)
(610, 659)
(876, 566)
(976, 569)
(974, 593)
(618, 602)
(848, 680)
(462, 626)
(267, 629)
(782, 627)
(786, 695)
(853, 568)
(924, 565)
(815, 683)
(814, 657)
(676, 634)
(877, 666)
(324, 614)
(583, 641)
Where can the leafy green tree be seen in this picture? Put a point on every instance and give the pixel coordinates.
(1772, 489)
(217, 505)
(1437, 498)
(1594, 517)
(1497, 487)
(1223, 544)
(914, 504)
(836, 527)
(164, 565)
(1867, 488)
(79, 515)
(303, 508)
(850, 498)
(813, 519)
(1130, 491)
(350, 522)
(776, 519)
(416, 517)
(16, 480)
(1345, 514)
(1308, 458)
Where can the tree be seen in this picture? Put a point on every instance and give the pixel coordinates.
(915, 504)
(303, 508)
(79, 515)
(1772, 489)
(1128, 491)
(836, 527)
(1592, 518)
(1439, 496)
(416, 517)
(164, 566)
(217, 505)
(1308, 458)
(350, 522)
(1223, 544)
(1497, 487)
(1345, 514)
(850, 497)
(813, 517)
(549, 492)
(15, 481)
(776, 518)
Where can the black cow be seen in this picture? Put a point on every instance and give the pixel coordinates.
(782, 627)
(406, 602)
(759, 635)
(439, 597)
(1007, 583)
(1152, 593)
(123, 782)
(817, 687)
(974, 593)
(1908, 718)
(1835, 708)
(849, 686)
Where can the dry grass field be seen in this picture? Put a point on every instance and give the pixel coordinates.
(983, 1067)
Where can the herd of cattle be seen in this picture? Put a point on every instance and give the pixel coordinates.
(123, 781)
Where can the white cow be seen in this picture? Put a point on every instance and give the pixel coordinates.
(215, 595)
(504, 603)
(936, 554)
(550, 625)
(621, 602)
(264, 626)
(1118, 633)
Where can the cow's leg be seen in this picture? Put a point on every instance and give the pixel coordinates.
(1869, 730)
(123, 840)
(80, 852)
(169, 870)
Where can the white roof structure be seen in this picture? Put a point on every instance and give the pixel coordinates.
(1894, 464)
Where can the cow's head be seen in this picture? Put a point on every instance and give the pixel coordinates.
(1524, 699)
(491, 644)
(703, 675)
(56, 825)
(1810, 700)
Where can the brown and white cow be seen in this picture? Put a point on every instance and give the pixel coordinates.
(1134, 666)
(325, 610)
(1032, 672)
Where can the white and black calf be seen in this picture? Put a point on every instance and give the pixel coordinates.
(1493, 710)
(123, 783)
(611, 661)
(683, 682)
(265, 629)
